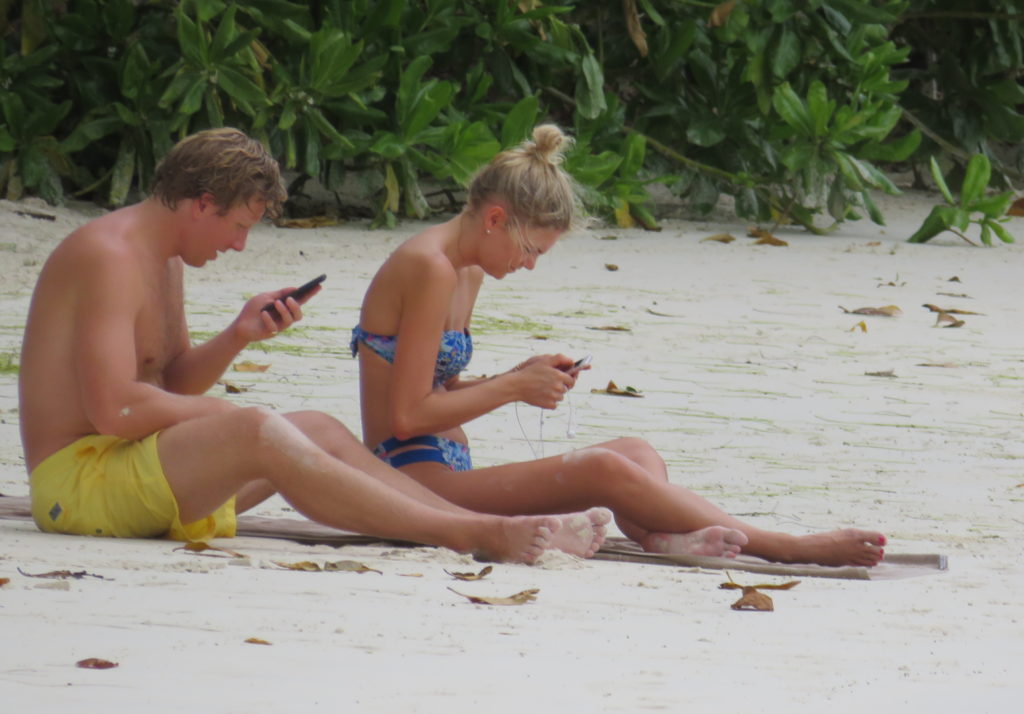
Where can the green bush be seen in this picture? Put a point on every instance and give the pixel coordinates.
(788, 106)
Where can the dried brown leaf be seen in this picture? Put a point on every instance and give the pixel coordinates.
(612, 267)
(951, 310)
(306, 565)
(472, 576)
(349, 566)
(231, 388)
(945, 317)
(954, 279)
(256, 641)
(539, 337)
(200, 547)
(307, 222)
(937, 364)
(520, 598)
(617, 391)
(4, 581)
(885, 311)
(956, 295)
(753, 599)
(633, 27)
(63, 574)
(862, 325)
(1016, 208)
(95, 663)
(771, 240)
(891, 373)
(719, 238)
(721, 13)
(612, 328)
(250, 367)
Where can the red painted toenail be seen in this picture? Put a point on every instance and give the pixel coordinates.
(881, 540)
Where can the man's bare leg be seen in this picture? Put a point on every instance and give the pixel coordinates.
(208, 460)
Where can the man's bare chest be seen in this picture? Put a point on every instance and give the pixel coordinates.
(160, 326)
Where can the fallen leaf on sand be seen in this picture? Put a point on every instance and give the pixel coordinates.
(307, 565)
(950, 311)
(719, 238)
(945, 317)
(520, 598)
(612, 267)
(616, 391)
(256, 641)
(308, 222)
(1016, 208)
(753, 598)
(200, 547)
(95, 663)
(611, 328)
(862, 325)
(937, 364)
(232, 388)
(4, 581)
(63, 574)
(250, 367)
(349, 566)
(538, 337)
(886, 311)
(954, 279)
(886, 373)
(472, 576)
(764, 237)
(956, 295)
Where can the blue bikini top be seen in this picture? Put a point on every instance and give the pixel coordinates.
(454, 354)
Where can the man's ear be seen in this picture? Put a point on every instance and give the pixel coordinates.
(203, 205)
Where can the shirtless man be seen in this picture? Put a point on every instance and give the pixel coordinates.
(118, 437)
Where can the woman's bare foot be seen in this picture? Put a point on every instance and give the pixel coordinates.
(716, 541)
(519, 539)
(849, 546)
(583, 533)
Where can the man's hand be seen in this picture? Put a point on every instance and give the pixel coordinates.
(254, 323)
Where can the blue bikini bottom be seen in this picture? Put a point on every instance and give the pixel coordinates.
(453, 454)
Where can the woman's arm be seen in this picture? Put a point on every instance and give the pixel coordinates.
(416, 407)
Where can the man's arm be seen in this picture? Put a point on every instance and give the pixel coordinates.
(197, 368)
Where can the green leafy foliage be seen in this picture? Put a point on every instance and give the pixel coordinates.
(957, 215)
(793, 108)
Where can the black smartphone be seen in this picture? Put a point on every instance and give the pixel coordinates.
(298, 293)
(579, 364)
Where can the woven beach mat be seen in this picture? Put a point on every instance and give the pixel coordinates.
(895, 566)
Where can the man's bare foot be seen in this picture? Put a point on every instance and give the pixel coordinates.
(716, 541)
(520, 539)
(849, 546)
(582, 533)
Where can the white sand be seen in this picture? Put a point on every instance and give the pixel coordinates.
(756, 395)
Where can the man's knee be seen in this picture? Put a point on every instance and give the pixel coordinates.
(322, 428)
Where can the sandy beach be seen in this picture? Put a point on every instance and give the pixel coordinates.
(763, 391)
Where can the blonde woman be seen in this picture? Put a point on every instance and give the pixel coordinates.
(413, 340)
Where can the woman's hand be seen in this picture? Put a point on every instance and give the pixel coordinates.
(543, 380)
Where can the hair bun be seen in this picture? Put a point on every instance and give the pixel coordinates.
(549, 143)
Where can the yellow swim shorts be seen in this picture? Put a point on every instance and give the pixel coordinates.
(107, 486)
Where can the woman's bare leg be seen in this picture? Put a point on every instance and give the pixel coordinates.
(659, 515)
(581, 534)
